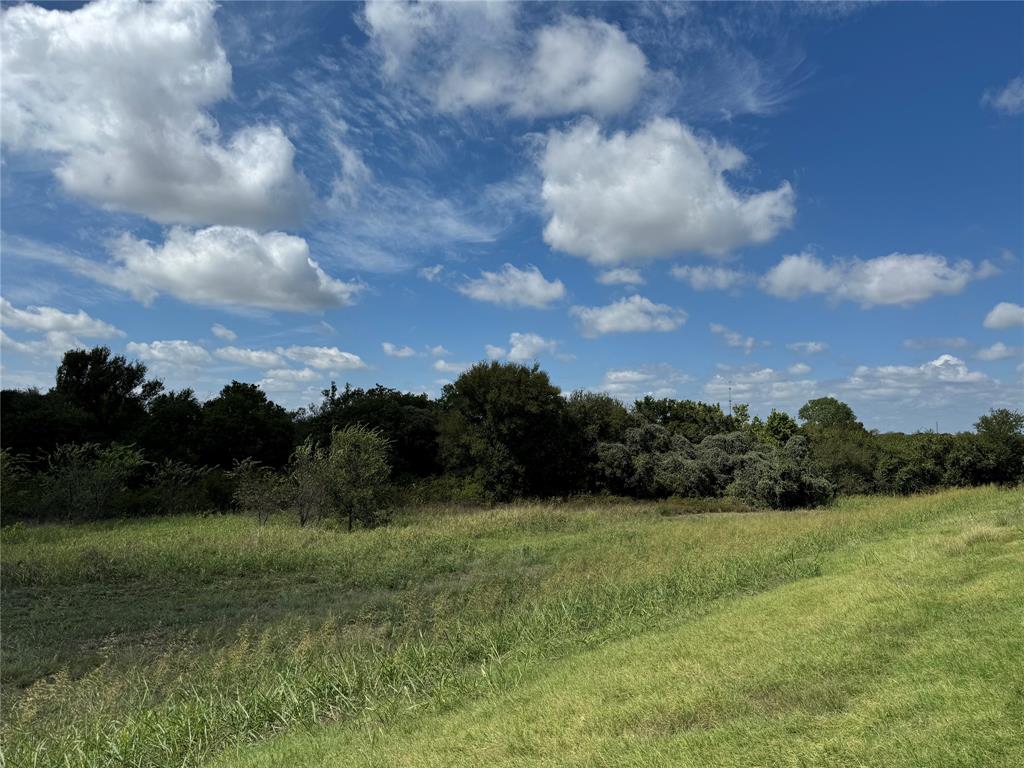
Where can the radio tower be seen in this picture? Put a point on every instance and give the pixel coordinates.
(730, 398)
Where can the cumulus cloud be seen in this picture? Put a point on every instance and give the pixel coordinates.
(1009, 99)
(799, 369)
(930, 383)
(288, 379)
(734, 338)
(899, 278)
(658, 191)
(60, 330)
(634, 383)
(221, 332)
(1005, 314)
(392, 350)
(765, 387)
(998, 351)
(50, 320)
(474, 56)
(808, 347)
(438, 351)
(170, 355)
(324, 358)
(632, 314)
(430, 274)
(118, 95)
(513, 286)
(621, 276)
(447, 367)
(522, 347)
(704, 278)
(254, 358)
(227, 266)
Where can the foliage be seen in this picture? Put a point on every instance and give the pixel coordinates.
(693, 420)
(111, 390)
(172, 427)
(505, 424)
(359, 472)
(781, 478)
(828, 413)
(312, 485)
(178, 487)
(258, 489)
(408, 422)
(242, 423)
(1001, 436)
(84, 482)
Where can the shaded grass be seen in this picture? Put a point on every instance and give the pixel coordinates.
(163, 642)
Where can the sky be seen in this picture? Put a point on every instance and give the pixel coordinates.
(772, 202)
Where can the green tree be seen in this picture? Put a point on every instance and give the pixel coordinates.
(172, 425)
(113, 391)
(506, 426)
(1001, 435)
(828, 413)
(359, 473)
(242, 423)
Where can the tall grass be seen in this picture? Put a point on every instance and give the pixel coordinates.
(184, 636)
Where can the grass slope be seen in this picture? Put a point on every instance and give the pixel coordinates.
(879, 632)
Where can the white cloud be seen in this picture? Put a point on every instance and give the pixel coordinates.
(631, 314)
(221, 332)
(391, 350)
(808, 347)
(229, 266)
(1009, 99)
(634, 383)
(514, 286)
(438, 351)
(255, 358)
(734, 338)
(52, 345)
(522, 347)
(117, 93)
(710, 278)
(764, 387)
(799, 369)
(998, 351)
(50, 320)
(621, 276)
(934, 382)
(447, 367)
(656, 192)
(474, 56)
(287, 379)
(170, 355)
(1005, 314)
(324, 358)
(898, 278)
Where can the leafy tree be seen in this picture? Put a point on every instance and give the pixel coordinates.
(258, 490)
(242, 423)
(840, 448)
(691, 419)
(359, 472)
(780, 477)
(594, 418)
(112, 391)
(505, 424)
(828, 413)
(312, 484)
(171, 428)
(84, 481)
(35, 423)
(779, 427)
(1001, 436)
(408, 421)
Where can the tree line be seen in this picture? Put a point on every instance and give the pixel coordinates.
(107, 439)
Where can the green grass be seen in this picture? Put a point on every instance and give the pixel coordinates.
(878, 632)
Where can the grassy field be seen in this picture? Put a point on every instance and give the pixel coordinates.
(878, 632)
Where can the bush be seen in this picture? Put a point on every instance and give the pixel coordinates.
(258, 489)
(359, 472)
(179, 487)
(84, 482)
(780, 478)
(311, 485)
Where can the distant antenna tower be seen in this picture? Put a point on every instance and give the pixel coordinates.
(730, 398)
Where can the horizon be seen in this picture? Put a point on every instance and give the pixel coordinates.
(645, 199)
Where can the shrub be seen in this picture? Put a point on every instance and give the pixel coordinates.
(85, 481)
(359, 472)
(258, 489)
(311, 486)
(179, 487)
(780, 479)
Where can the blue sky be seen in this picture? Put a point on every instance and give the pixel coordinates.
(790, 201)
